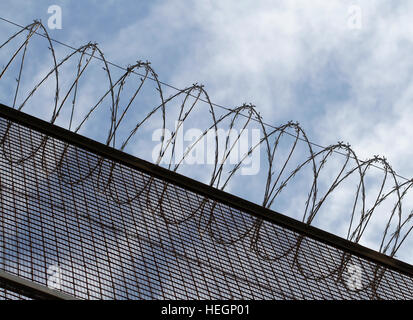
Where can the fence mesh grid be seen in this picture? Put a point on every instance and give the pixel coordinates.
(98, 229)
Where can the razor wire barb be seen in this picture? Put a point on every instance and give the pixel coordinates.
(392, 239)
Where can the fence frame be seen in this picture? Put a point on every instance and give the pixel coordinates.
(34, 290)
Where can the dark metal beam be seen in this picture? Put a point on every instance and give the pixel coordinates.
(30, 289)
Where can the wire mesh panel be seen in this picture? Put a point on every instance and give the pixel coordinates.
(94, 228)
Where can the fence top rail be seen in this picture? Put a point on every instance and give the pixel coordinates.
(31, 289)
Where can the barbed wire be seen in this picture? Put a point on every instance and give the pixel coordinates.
(397, 227)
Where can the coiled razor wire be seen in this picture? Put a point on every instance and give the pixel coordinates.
(395, 231)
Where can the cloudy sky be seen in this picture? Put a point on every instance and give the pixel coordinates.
(340, 68)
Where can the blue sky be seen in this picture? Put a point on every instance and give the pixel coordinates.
(294, 60)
